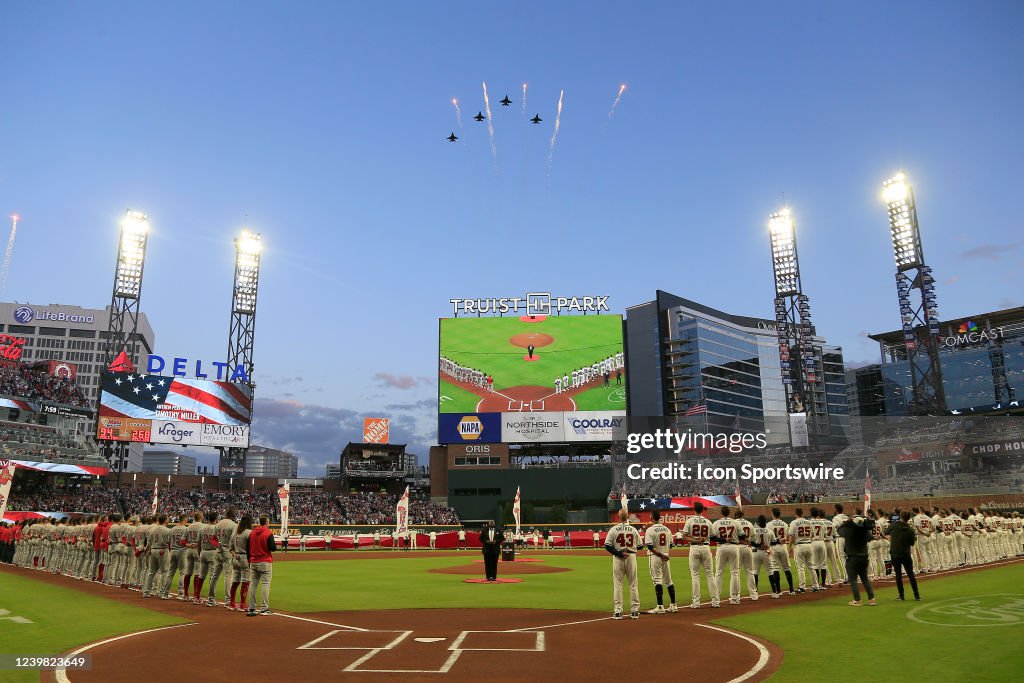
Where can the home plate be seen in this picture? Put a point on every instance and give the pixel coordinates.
(429, 640)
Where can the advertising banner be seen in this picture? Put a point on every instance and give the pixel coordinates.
(798, 429)
(6, 477)
(229, 436)
(469, 428)
(375, 430)
(155, 397)
(597, 425)
(176, 433)
(526, 427)
(123, 429)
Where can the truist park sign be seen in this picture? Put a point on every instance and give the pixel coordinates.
(532, 304)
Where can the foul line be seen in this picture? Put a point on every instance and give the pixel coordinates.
(61, 674)
(762, 661)
(570, 623)
(318, 621)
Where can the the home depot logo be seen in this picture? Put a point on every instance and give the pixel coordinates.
(470, 428)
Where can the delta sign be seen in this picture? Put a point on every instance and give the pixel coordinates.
(179, 367)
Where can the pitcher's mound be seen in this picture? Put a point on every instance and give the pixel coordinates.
(495, 581)
(536, 338)
(506, 567)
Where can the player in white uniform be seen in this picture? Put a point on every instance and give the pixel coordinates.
(876, 561)
(658, 539)
(801, 535)
(779, 532)
(959, 552)
(938, 540)
(760, 548)
(727, 555)
(697, 531)
(623, 542)
(818, 552)
(746, 553)
(923, 547)
(839, 549)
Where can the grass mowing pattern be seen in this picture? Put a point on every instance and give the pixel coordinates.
(63, 618)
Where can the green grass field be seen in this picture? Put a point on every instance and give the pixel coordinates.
(823, 639)
(61, 619)
(483, 344)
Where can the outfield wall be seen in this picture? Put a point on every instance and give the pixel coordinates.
(478, 494)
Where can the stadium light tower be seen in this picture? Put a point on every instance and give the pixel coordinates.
(123, 325)
(797, 355)
(242, 332)
(920, 318)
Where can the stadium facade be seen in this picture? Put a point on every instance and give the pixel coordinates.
(982, 362)
(684, 356)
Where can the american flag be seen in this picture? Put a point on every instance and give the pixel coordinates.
(700, 409)
(867, 493)
(155, 397)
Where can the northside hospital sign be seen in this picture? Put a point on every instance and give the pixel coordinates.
(533, 304)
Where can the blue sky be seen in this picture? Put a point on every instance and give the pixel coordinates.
(322, 125)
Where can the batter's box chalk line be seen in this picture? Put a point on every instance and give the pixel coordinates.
(462, 643)
(515, 406)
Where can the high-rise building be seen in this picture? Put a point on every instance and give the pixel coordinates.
(261, 461)
(687, 359)
(333, 472)
(167, 462)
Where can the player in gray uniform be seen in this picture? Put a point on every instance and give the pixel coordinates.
(622, 542)
(191, 571)
(207, 556)
(223, 532)
(159, 547)
(141, 564)
(658, 539)
(176, 562)
(239, 548)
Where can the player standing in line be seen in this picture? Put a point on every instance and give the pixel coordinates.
(876, 563)
(658, 539)
(923, 526)
(222, 532)
(840, 555)
(697, 531)
(968, 532)
(727, 556)
(140, 533)
(760, 543)
(801, 534)
(159, 544)
(176, 555)
(623, 542)
(207, 558)
(779, 531)
(113, 534)
(958, 538)
(746, 553)
(240, 563)
(192, 534)
(818, 552)
(938, 540)
(832, 563)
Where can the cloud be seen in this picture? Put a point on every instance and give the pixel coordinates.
(402, 382)
(951, 280)
(317, 434)
(990, 252)
(418, 405)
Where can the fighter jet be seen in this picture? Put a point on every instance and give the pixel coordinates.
(505, 102)
(479, 116)
(536, 119)
(453, 137)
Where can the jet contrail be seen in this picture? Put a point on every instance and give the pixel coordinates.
(554, 136)
(490, 126)
(524, 98)
(622, 89)
(458, 112)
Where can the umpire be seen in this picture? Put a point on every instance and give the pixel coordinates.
(901, 540)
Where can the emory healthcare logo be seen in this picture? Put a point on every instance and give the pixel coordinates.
(470, 428)
(24, 314)
(965, 327)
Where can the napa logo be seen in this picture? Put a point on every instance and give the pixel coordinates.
(470, 428)
(969, 333)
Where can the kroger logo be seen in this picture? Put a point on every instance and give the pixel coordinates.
(177, 435)
(965, 327)
(24, 314)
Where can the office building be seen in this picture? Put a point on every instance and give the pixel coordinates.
(261, 461)
(167, 462)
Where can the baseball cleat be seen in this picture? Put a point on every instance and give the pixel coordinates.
(672, 608)
(716, 604)
(694, 605)
(210, 602)
(734, 601)
(634, 615)
(657, 610)
(250, 613)
(265, 613)
(617, 615)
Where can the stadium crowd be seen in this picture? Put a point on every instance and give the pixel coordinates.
(34, 385)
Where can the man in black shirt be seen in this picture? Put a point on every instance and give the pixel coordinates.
(901, 539)
(856, 532)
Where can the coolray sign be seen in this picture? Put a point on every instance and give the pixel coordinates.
(179, 367)
(231, 436)
(608, 425)
(534, 303)
(26, 314)
(969, 333)
(517, 427)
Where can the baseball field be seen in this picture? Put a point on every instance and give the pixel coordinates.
(412, 617)
(499, 347)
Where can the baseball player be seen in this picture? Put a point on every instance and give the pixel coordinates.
(960, 547)
(597, 536)
(923, 527)
(801, 535)
(746, 552)
(760, 545)
(240, 563)
(178, 547)
(159, 544)
(779, 532)
(938, 539)
(658, 539)
(697, 531)
(832, 563)
(139, 536)
(840, 543)
(462, 539)
(222, 533)
(208, 557)
(623, 542)
(818, 552)
(876, 560)
(727, 533)
(191, 569)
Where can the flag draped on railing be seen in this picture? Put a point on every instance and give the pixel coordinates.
(402, 515)
(867, 493)
(156, 497)
(283, 494)
(6, 477)
(515, 510)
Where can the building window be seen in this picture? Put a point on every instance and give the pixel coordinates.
(84, 334)
(21, 329)
(53, 331)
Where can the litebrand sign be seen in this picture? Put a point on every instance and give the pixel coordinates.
(26, 314)
(180, 367)
(533, 304)
(970, 333)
